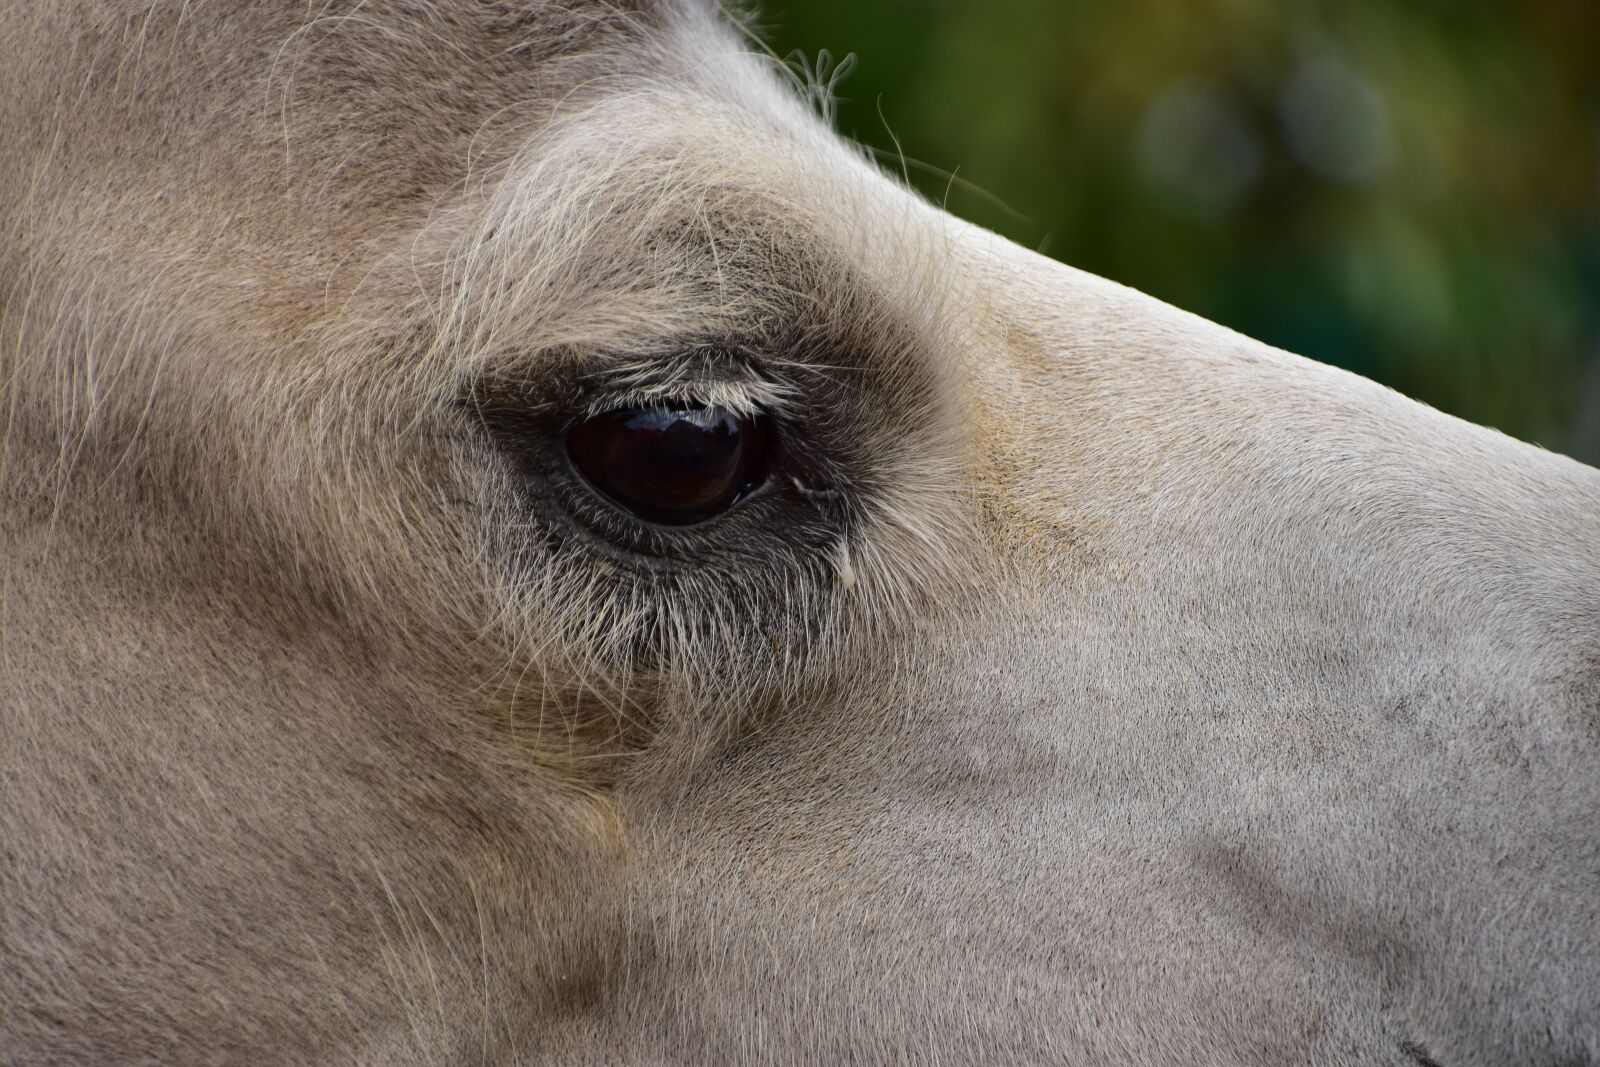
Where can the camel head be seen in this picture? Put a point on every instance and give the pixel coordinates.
(519, 546)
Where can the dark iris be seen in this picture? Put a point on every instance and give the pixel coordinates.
(674, 466)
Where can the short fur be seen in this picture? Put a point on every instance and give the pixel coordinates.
(1098, 687)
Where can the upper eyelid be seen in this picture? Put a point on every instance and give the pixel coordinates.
(684, 379)
(576, 385)
(742, 396)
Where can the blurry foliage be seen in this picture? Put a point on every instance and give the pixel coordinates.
(1407, 188)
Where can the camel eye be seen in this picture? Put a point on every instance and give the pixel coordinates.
(673, 466)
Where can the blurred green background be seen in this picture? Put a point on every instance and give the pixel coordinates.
(1407, 188)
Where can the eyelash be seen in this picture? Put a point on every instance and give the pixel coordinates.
(742, 396)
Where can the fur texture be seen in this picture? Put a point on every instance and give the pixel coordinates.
(1095, 686)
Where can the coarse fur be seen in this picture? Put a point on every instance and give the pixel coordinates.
(1088, 685)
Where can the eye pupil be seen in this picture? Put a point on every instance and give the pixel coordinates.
(673, 466)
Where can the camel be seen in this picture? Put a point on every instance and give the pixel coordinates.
(520, 546)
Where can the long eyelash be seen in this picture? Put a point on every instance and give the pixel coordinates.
(701, 374)
(747, 397)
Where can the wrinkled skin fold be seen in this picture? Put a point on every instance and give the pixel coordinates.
(1088, 685)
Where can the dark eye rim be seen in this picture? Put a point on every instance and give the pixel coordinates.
(772, 447)
(804, 505)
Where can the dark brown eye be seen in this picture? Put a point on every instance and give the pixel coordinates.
(674, 466)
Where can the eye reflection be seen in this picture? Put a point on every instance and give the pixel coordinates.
(672, 466)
